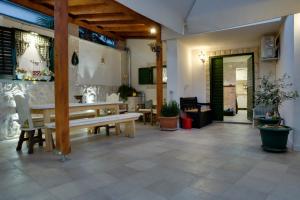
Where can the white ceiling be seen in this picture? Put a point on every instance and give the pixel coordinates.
(248, 36)
(211, 15)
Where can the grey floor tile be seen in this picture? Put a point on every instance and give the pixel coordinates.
(217, 162)
(141, 165)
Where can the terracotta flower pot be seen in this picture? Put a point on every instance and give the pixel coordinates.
(168, 123)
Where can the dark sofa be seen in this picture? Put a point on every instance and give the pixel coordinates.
(200, 113)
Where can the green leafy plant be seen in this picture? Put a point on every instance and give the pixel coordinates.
(126, 91)
(275, 92)
(21, 70)
(170, 109)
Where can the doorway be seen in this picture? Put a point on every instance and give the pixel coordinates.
(232, 81)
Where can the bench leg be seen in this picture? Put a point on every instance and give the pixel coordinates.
(31, 141)
(130, 129)
(21, 140)
(118, 128)
(49, 140)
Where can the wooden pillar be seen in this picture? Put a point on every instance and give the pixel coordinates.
(159, 81)
(61, 76)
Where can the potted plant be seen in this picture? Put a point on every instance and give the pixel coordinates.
(169, 116)
(20, 73)
(126, 91)
(274, 92)
(46, 74)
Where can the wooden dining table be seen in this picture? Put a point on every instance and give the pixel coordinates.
(48, 110)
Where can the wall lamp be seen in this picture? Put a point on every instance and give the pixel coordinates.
(202, 57)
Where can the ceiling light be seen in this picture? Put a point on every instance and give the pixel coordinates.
(153, 31)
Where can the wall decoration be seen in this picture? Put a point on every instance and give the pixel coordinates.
(21, 41)
(33, 56)
(75, 59)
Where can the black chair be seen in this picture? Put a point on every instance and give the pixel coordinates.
(200, 113)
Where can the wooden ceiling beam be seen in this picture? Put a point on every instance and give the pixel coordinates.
(123, 26)
(71, 2)
(93, 9)
(126, 29)
(132, 13)
(43, 9)
(127, 22)
(100, 16)
(139, 37)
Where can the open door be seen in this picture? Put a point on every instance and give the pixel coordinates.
(216, 96)
(250, 88)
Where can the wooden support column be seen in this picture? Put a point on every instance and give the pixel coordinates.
(61, 76)
(159, 63)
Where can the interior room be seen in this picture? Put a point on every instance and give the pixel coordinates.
(235, 89)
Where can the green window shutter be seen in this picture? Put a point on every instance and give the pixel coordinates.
(145, 76)
(7, 53)
(217, 101)
(250, 88)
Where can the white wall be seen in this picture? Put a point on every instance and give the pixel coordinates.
(142, 56)
(290, 63)
(179, 71)
(199, 76)
(90, 69)
(296, 73)
(200, 71)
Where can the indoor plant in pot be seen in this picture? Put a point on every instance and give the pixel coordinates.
(169, 116)
(274, 92)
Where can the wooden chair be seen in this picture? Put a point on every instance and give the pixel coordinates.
(28, 125)
(146, 110)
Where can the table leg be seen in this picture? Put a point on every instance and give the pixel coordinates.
(117, 128)
(48, 133)
(130, 129)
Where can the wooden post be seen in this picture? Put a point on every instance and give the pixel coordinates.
(61, 76)
(159, 81)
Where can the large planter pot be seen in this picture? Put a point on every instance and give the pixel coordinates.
(168, 123)
(274, 139)
(263, 121)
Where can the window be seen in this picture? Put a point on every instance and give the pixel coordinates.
(96, 37)
(7, 58)
(26, 15)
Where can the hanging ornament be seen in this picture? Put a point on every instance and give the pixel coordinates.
(75, 59)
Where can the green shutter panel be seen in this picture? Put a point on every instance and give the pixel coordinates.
(250, 88)
(217, 91)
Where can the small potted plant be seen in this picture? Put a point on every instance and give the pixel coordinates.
(20, 73)
(168, 119)
(273, 135)
(126, 91)
(46, 74)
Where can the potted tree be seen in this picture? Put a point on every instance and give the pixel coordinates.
(273, 135)
(169, 116)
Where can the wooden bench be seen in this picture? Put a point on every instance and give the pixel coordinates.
(128, 119)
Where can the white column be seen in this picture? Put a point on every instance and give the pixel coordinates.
(296, 82)
(172, 71)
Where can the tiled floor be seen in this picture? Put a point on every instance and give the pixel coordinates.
(240, 117)
(218, 162)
